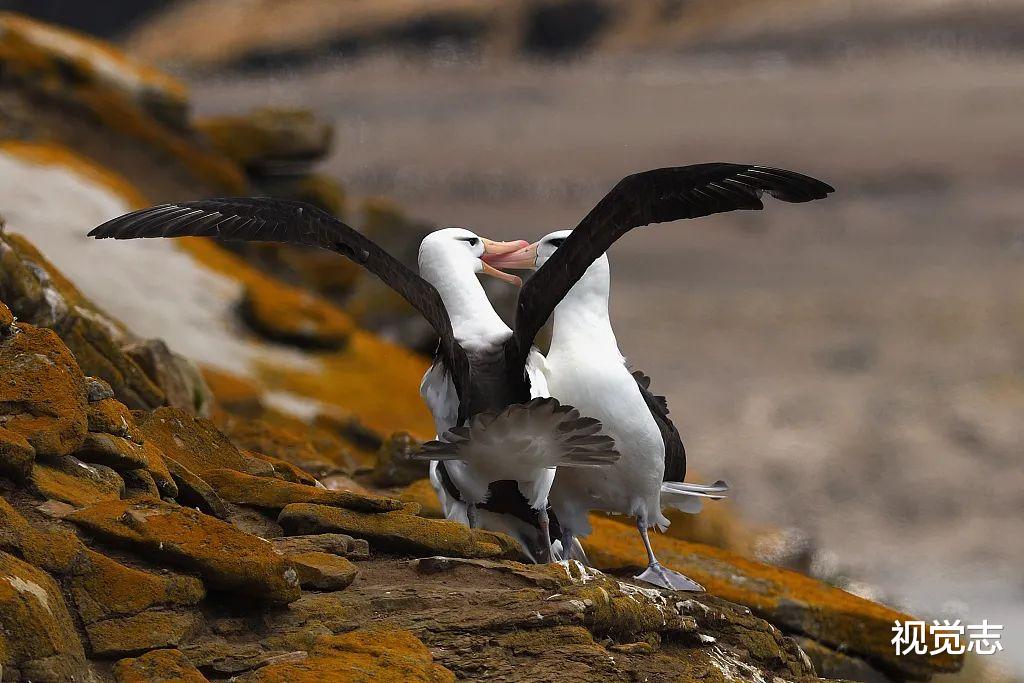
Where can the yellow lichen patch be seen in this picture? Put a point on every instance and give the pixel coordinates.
(51, 154)
(370, 377)
(138, 102)
(93, 56)
(375, 379)
(379, 654)
(422, 493)
(793, 600)
(169, 666)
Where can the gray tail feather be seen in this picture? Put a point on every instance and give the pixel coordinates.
(690, 497)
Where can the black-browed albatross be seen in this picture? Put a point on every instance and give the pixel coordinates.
(466, 386)
(584, 365)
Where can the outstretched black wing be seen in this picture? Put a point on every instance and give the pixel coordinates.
(658, 196)
(264, 219)
(675, 453)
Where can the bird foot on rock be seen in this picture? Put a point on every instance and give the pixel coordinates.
(658, 575)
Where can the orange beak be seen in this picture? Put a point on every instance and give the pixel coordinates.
(497, 250)
(524, 258)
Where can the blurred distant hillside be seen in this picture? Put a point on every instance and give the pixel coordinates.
(274, 33)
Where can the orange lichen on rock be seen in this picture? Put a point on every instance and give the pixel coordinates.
(167, 666)
(71, 481)
(372, 655)
(400, 532)
(132, 100)
(224, 556)
(290, 439)
(42, 391)
(190, 441)
(233, 395)
(238, 487)
(34, 620)
(422, 493)
(372, 378)
(794, 601)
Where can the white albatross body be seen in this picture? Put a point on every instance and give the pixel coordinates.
(584, 367)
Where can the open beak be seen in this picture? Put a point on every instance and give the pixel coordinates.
(497, 250)
(524, 258)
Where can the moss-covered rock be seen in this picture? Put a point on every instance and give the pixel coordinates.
(223, 556)
(34, 620)
(167, 666)
(269, 136)
(335, 544)
(371, 654)
(275, 494)
(141, 632)
(71, 481)
(399, 531)
(42, 391)
(103, 588)
(292, 316)
(323, 571)
(39, 294)
(125, 455)
(193, 442)
(16, 454)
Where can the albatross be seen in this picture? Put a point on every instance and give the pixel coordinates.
(585, 367)
(518, 434)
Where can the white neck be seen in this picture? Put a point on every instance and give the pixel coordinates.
(474, 321)
(581, 320)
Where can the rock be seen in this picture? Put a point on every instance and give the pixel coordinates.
(395, 466)
(180, 379)
(293, 316)
(70, 480)
(140, 632)
(34, 620)
(789, 600)
(110, 416)
(340, 482)
(139, 484)
(42, 391)
(258, 467)
(323, 571)
(16, 454)
(233, 394)
(96, 390)
(336, 544)
(399, 532)
(123, 454)
(103, 589)
(54, 550)
(422, 493)
(6, 320)
(833, 664)
(222, 657)
(312, 449)
(245, 489)
(194, 492)
(170, 666)
(266, 138)
(371, 654)
(223, 556)
(192, 442)
(286, 470)
(39, 294)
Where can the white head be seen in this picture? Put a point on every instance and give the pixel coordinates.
(450, 259)
(457, 250)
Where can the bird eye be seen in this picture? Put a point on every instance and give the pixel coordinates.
(473, 241)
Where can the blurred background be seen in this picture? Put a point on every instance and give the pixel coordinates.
(855, 367)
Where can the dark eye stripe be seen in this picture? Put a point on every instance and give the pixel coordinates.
(557, 241)
(472, 240)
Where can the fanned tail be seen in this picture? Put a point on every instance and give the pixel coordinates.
(690, 497)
